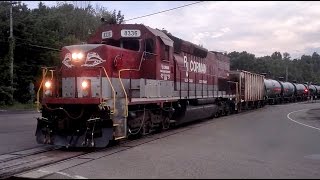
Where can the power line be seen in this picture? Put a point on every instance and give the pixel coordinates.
(42, 47)
(164, 11)
(32, 42)
(29, 43)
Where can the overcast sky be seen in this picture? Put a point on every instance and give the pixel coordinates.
(257, 27)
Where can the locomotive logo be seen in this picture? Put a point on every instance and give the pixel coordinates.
(93, 59)
(67, 60)
(194, 66)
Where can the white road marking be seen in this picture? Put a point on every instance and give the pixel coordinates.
(79, 177)
(64, 174)
(44, 171)
(71, 176)
(288, 116)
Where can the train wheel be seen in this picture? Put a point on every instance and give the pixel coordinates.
(216, 115)
(258, 104)
(166, 123)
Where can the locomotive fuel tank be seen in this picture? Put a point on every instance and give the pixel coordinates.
(273, 88)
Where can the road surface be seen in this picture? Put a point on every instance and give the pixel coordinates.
(280, 141)
(17, 130)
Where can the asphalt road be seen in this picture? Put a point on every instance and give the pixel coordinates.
(17, 131)
(272, 142)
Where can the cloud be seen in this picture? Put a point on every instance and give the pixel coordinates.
(258, 27)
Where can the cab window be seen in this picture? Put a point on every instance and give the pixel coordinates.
(149, 45)
(131, 44)
(165, 53)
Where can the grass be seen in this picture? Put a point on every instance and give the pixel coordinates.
(19, 106)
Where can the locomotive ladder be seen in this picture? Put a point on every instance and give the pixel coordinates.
(120, 118)
(116, 112)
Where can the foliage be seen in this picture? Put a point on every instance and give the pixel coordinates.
(39, 34)
(301, 70)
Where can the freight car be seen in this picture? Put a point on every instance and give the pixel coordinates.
(287, 91)
(312, 90)
(249, 89)
(278, 92)
(273, 90)
(301, 92)
(317, 92)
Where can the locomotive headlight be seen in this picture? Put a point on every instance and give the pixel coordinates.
(48, 88)
(77, 56)
(74, 55)
(84, 84)
(48, 84)
(80, 56)
(86, 90)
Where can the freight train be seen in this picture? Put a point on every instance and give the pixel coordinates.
(132, 80)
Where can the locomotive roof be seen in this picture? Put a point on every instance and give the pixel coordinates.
(155, 32)
(168, 39)
(161, 34)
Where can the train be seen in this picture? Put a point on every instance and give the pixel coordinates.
(131, 80)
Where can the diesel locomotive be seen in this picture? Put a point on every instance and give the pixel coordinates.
(130, 79)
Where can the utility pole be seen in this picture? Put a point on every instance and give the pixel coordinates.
(287, 73)
(11, 49)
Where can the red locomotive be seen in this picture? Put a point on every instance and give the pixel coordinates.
(131, 79)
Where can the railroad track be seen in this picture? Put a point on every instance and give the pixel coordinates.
(22, 162)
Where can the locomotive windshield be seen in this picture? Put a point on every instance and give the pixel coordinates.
(131, 44)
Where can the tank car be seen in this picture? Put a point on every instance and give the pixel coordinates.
(301, 91)
(273, 90)
(318, 91)
(287, 92)
(312, 91)
(128, 80)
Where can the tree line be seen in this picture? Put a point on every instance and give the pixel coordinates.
(301, 70)
(39, 34)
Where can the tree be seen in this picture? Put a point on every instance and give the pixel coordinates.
(301, 70)
(276, 56)
(39, 35)
(286, 56)
(110, 17)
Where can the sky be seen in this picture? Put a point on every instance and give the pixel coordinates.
(258, 27)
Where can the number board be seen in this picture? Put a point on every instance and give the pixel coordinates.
(106, 34)
(130, 33)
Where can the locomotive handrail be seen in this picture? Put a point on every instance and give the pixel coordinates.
(125, 93)
(113, 91)
(44, 73)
